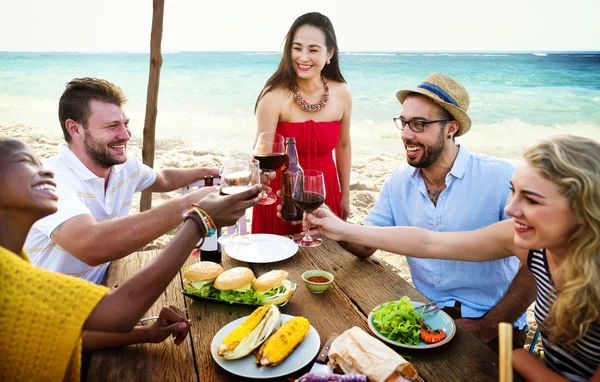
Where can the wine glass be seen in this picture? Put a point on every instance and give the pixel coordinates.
(308, 195)
(270, 152)
(238, 173)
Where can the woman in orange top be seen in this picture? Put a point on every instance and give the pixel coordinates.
(49, 346)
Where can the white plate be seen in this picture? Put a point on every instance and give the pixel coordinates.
(265, 248)
(246, 367)
(437, 320)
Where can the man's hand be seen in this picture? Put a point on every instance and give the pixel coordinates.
(481, 328)
(171, 322)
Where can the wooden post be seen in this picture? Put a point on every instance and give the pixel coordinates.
(152, 95)
(505, 331)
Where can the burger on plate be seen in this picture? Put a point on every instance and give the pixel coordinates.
(273, 288)
(198, 279)
(235, 285)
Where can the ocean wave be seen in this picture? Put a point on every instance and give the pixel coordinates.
(540, 54)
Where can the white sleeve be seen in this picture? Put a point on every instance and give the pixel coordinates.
(146, 178)
(69, 205)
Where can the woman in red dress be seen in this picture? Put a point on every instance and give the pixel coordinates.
(307, 98)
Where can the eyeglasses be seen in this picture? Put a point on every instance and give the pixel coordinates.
(416, 125)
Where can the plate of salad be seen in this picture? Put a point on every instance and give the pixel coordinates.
(402, 323)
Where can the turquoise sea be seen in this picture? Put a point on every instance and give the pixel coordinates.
(209, 96)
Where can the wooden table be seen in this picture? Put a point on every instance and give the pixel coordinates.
(359, 286)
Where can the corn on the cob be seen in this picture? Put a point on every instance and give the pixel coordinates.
(269, 323)
(233, 339)
(281, 344)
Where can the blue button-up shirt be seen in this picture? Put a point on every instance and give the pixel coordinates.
(477, 189)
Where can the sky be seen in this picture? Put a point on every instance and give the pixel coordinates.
(260, 25)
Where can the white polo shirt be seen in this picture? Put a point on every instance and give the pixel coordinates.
(82, 192)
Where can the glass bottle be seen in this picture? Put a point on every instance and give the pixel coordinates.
(289, 174)
(211, 249)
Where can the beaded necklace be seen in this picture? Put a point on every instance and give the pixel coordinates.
(310, 106)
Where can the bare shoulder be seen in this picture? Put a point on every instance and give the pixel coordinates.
(275, 96)
(341, 90)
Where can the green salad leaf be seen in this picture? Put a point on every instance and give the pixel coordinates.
(398, 321)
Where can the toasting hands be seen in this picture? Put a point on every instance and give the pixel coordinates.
(323, 221)
(227, 209)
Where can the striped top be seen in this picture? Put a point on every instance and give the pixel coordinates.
(82, 192)
(577, 366)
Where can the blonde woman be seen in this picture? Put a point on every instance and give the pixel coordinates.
(555, 232)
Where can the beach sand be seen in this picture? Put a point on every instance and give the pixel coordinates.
(383, 156)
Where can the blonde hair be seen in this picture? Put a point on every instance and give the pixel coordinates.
(571, 162)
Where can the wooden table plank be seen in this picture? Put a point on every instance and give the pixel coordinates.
(359, 286)
(144, 362)
(369, 283)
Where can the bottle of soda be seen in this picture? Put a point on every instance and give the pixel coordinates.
(289, 175)
(211, 249)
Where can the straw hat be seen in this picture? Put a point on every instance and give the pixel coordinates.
(447, 93)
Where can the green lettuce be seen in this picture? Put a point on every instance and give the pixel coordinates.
(205, 291)
(398, 321)
(262, 296)
(232, 296)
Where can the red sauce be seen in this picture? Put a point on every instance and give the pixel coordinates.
(318, 279)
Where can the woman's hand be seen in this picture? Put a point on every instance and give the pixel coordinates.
(171, 322)
(267, 177)
(345, 202)
(225, 210)
(323, 221)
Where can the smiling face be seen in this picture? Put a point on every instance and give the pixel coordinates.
(543, 217)
(26, 185)
(309, 51)
(106, 134)
(425, 148)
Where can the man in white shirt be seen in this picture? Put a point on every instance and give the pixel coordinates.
(96, 181)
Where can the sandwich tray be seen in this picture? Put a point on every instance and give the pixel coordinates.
(219, 301)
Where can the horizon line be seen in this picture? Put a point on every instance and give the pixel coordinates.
(279, 51)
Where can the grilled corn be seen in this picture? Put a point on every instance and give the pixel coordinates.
(251, 333)
(281, 344)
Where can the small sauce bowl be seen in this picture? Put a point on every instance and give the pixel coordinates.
(317, 281)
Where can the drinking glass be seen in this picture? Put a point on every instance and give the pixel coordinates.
(238, 173)
(270, 152)
(308, 195)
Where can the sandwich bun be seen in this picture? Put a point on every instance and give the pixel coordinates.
(234, 278)
(202, 271)
(269, 280)
(272, 280)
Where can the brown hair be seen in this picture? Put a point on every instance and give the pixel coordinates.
(285, 76)
(75, 101)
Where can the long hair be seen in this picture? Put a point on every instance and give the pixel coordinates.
(572, 164)
(75, 101)
(285, 76)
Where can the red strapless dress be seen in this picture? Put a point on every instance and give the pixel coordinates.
(315, 142)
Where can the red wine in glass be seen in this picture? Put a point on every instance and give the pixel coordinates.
(271, 161)
(308, 201)
(269, 150)
(308, 195)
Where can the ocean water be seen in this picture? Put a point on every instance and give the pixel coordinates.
(208, 97)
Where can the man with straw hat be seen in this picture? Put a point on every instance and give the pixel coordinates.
(444, 187)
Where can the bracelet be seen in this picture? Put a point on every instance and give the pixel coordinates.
(191, 214)
(211, 228)
(209, 221)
